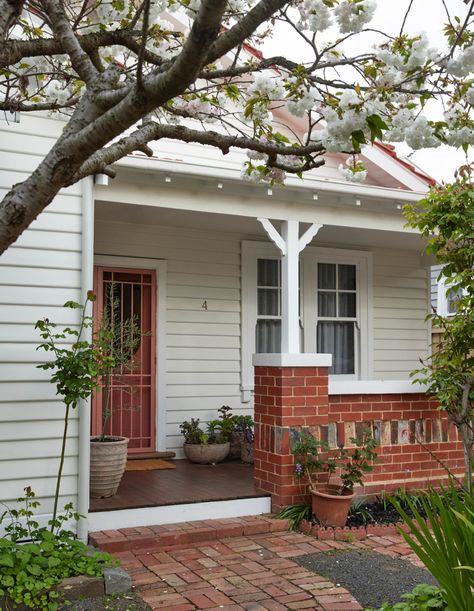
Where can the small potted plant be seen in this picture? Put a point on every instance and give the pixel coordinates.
(246, 426)
(331, 501)
(206, 447)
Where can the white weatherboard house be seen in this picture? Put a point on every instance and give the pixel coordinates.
(211, 263)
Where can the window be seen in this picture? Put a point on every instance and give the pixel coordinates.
(337, 315)
(447, 298)
(268, 324)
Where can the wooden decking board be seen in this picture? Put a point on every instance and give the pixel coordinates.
(188, 483)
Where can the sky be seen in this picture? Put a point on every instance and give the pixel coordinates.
(425, 15)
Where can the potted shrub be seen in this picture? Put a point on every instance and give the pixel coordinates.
(331, 501)
(206, 447)
(115, 343)
(246, 426)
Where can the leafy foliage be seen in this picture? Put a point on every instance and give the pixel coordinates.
(422, 598)
(446, 217)
(29, 570)
(295, 514)
(444, 542)
(351, 463)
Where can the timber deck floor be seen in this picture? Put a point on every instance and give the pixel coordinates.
(188, 483)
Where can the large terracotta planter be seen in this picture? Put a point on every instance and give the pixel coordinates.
(330, 507)
(107, 465)
(206, 453)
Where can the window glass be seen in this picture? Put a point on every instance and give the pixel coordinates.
(337, 338)
(326, 276)
(268, 328)
(268, 336)
(336, 299)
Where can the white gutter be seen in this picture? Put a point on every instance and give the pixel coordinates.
(87, 185)
(318, 185)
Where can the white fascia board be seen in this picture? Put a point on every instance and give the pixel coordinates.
(372, 387)
(309, 183)
(305, 359)
(396, 169)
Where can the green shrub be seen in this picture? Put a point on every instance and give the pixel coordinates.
(33, 560)
(421, 598)
(444, 542)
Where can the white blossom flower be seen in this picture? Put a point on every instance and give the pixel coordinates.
(56, 92)
(463, 64)
(352, 15)
(304, 104)
(271, 88)
(314, 15)
(420, 134)
(470, 95)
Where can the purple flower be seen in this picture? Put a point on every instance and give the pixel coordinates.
(298, 469)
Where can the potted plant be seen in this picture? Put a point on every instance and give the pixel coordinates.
(241, 434)
(115, 342)
(245, 425)
(331, 501)
(206, 447)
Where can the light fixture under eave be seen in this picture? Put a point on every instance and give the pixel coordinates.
(269, 191)
(220, 185)
(399, 206)
(315, 196)
(101, 179)
(358, 202)
(167, 178)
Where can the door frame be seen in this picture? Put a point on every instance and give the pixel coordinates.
(160, 268)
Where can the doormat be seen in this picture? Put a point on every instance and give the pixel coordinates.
(148, 464)
(370, 577)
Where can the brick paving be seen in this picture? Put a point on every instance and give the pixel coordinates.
(234, 564)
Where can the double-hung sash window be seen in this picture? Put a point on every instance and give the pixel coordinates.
(335, 312)
(337, 315)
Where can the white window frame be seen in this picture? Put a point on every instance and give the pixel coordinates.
(251, 251)
(442, 305)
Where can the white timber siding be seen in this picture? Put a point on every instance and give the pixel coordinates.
(38, 274)
(400, 294)
(203, 346)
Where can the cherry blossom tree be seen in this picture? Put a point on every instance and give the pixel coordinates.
(125, 73)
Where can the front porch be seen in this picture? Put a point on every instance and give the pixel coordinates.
(167, 496)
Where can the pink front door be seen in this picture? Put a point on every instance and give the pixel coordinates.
(133, 385)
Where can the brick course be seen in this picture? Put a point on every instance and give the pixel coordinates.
(413, 434)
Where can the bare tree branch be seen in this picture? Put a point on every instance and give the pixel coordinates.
(155, 131)
(62, 31)
(10, 10)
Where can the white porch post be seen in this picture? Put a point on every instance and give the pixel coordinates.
(290, 328)
(290, 245)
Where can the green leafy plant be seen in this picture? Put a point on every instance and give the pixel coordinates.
(423, 597)
(312, 457)
(115, 341)
(446, 218)
(444, 541)
(217, 431)
(76, 368)
(295, 514)
(33, 560)
(191, 431)
(245, 426)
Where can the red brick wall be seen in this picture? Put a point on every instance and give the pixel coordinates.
(399, 422)
(288, 399)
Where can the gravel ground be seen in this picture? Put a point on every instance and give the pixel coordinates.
(119, 602)
(372, 578)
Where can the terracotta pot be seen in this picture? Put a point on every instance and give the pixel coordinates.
(107, 465)
(329, 507)
(246, 452)
(206, 453)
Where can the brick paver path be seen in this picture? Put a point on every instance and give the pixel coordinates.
(255, 572)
